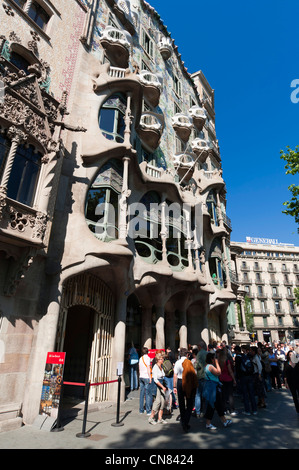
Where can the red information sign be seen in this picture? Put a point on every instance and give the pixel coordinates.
(52, 384)
(153, 352)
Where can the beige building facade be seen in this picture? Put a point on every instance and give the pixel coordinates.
(113, 225)
(268, 273)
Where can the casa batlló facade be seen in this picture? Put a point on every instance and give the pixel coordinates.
(113, 225)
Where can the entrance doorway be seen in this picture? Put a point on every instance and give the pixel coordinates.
(85, 334)
(77, 346)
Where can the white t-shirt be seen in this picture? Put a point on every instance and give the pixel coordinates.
(178, 367)
(143, 362)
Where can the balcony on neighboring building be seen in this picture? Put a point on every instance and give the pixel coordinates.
(199, 116)
(182, 125)
(150, 129)
(117, 44)
(165, 47)
(152, 87)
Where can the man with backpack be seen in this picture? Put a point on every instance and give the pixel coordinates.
(244, 372)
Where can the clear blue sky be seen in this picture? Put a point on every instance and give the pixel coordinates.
(249, 52)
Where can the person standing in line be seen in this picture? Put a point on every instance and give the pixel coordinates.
(258, 377)
(159, 402)
(212, 392)
(184, 391)
(244, 374)
(275, 377)
(228, 381)
(133, 364)
(144, 382)
(199, 366)
(291, 376)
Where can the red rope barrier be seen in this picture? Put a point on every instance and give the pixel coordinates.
(74, 383)
(101, 383)
(83, 385)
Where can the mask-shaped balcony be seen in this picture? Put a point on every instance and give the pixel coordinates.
(211, 179)
(117, 44)
(201, 148)
(150, 129)
(165, 47)
(182, 125)
(199, 116)
(184, 165)
(152, 87)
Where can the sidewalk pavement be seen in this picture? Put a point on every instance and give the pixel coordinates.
(275, 427)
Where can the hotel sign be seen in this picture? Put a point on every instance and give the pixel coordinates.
(265, 241)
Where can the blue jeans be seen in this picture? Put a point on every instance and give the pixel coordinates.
(169, 385)
(145, 392)
(133, 376)
(247, 386)
(198, 397)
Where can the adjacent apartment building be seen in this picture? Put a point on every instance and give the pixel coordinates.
(113, 226)
(268, 273)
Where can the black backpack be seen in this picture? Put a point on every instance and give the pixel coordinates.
(247, 365)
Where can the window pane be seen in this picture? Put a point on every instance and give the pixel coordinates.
(24, 175)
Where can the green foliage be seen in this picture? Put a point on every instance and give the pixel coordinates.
(296, 292)
(291, 157)
(249, 315)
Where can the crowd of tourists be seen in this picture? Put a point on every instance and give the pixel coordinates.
(205, 379)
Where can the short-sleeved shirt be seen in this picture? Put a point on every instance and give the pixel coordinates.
(178, 367)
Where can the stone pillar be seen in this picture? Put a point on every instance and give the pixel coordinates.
(160, 324)
(146, 327)
(118, 344)
(183, 329)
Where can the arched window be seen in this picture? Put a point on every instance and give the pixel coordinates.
(24, 175)
(111, 118)
(101, 210)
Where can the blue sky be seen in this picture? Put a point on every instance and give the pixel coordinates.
(249, 53)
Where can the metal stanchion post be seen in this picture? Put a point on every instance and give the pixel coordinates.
(58, 426)
(118, 405)
(84, 433)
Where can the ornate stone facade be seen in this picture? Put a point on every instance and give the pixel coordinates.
(100, 105)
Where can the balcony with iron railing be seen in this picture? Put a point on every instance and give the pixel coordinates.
(150, 129)
(182, 125)
(152, 86)
(198, 115)
(165, 47)
(116, 43)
